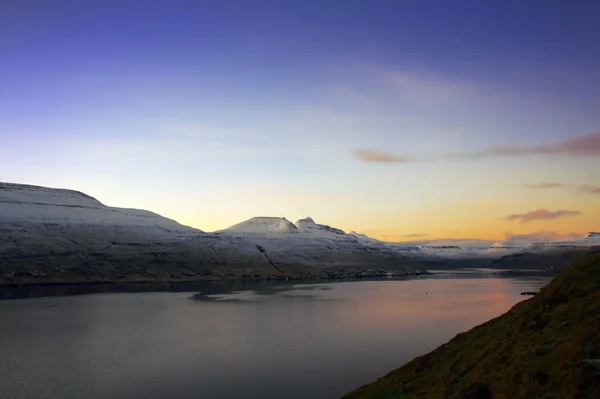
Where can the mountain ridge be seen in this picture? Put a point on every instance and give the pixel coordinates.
(57, 235)
(45, 228)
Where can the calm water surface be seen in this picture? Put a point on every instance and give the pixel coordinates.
(268, 341)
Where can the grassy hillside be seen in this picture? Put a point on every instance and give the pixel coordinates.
(545, 347)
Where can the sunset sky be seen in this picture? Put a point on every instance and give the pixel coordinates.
(403, 120)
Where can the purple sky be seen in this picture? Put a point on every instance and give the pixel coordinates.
(211, 112)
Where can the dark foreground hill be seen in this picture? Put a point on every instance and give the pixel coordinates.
(544, 347)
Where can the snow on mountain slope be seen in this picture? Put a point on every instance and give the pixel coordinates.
(309, 225)
(514, 244)
(469, 245)
(500, 249)
(421, 251)
(403, 250)
(263, 225)
(552, 255)
(312, 241)
(307, 242)
(34, 204)
(541, 243)
(588, 241)
(449, 251)
(41, 227)
(548, 255)
(46, 229)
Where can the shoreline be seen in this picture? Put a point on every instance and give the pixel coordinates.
(72, 288)
(546, 340)
(342, 274)
(46, 281)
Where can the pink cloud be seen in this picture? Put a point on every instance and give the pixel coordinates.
(374, 156)
(542, 214)
(590, 189)
(584, 146)
(546, 185)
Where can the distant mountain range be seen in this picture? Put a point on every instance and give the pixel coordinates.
(48, 231)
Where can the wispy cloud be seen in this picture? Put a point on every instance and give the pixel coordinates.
(421, 87)
(546, 185)
(584, 146)
(374, 156)
(416, 235)
(587, 189)
(590, 189)
(542, 214)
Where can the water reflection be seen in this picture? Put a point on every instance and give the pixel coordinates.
(223, 341)
(219, 287)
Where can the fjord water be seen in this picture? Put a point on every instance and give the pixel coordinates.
(271, 341)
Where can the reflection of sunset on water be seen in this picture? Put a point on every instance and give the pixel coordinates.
(344, 333)
(431, 300)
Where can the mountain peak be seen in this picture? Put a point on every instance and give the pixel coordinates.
(28, 192)
(306, 222)
(24, 203)
(264, 224)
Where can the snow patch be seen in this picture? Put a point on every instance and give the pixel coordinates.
(263, 225)
(309, 225)
(35, 204)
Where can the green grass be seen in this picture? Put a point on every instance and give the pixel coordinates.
(545, 347)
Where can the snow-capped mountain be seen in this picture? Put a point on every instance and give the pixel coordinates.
(307, 224)
(501, 249)
(589, 240)
(307, 242)
(55, 228)
(263, 225)
(41, 205)
(404, 250)
(469, 245)
(514, 244)
(43, 227)
(450, 251)
(309, 238)
(549, 255)
(525, 244)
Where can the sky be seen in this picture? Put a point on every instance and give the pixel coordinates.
(403, 120)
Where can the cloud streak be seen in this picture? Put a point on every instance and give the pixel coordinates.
(590, 189)
(584, 146)
(374, 156)
(546, 185)
(586, 189)
(541, 214)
